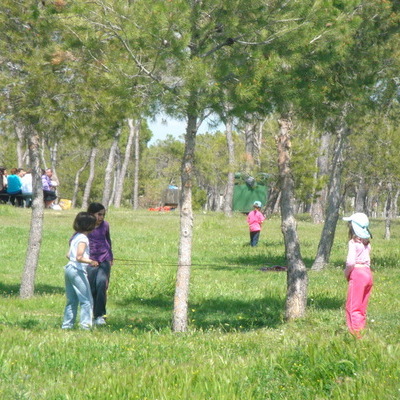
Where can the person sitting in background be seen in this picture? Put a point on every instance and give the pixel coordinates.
(48, 194)
(14, 185)
(3, 180)
(53, 180)
(3, 185)
(26, 188)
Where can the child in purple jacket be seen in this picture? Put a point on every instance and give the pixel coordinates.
(101, 251)
(255, 219)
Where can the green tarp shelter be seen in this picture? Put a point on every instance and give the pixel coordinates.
(247, 190)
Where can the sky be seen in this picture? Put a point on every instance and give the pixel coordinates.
(163, 126)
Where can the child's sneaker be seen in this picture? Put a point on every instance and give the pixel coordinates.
(100, 321)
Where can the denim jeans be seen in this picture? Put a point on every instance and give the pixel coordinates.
(98, 278)
(77, 289)
(254, 236)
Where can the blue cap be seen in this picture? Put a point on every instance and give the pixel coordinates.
(359, 223)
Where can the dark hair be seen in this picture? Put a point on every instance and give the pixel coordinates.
(352, 235)
(95, 208)
(84, 222)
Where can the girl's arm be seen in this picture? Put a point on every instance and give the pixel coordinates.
(108, 238)
(80, 255)
(350, 260)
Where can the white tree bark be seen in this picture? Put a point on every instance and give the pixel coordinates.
(228, 204)
(388, 212)
(297, 280)
(137, 164)
(108, 175)
(20, 133)
(317, 210)
(89, 182)
(395, 200)
(35, 235)
(41, 151)
(76, 184)
(180, 316)
(120, 183)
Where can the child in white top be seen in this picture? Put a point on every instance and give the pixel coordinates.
(77, 286)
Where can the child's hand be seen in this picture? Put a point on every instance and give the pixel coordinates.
(94, 263)
(347, 272)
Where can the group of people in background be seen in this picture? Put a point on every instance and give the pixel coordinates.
(357, 270)
(16, 187)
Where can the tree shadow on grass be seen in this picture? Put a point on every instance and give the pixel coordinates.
(224, 314)
(12, 289)
(49, 289)
(323, 302)
(9, 290)
(237, 315)
(249, 262)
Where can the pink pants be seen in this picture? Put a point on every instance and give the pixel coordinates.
(360, 287)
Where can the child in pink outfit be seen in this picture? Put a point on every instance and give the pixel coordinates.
(358, 273)
(255, 219)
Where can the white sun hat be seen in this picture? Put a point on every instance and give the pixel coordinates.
(359, 223)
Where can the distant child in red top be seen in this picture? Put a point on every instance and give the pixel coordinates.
(255, 219)
(358, 273)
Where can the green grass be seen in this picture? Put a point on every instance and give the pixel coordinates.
(237, 347)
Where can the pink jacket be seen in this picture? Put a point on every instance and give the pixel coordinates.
(255, 219)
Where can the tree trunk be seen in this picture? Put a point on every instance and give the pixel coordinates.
(35, 235)
(230, 185)
(109, 169)
(19, 130)
(388, 212)
(117, 172)
(41, 151)
(128, 149)
(180, 316)
(395, 200)
(334, 201)
(297, 281)
(53, 150)
(258, 134)
(249, 135)
(319, 205)
(53, 162)
(361, 197)
(274, 199)
(137, 164)
(76, 184)
(89, 182)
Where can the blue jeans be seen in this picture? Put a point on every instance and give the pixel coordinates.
(77, 290)
(254, 236)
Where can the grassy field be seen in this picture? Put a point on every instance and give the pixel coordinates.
(238, 345)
